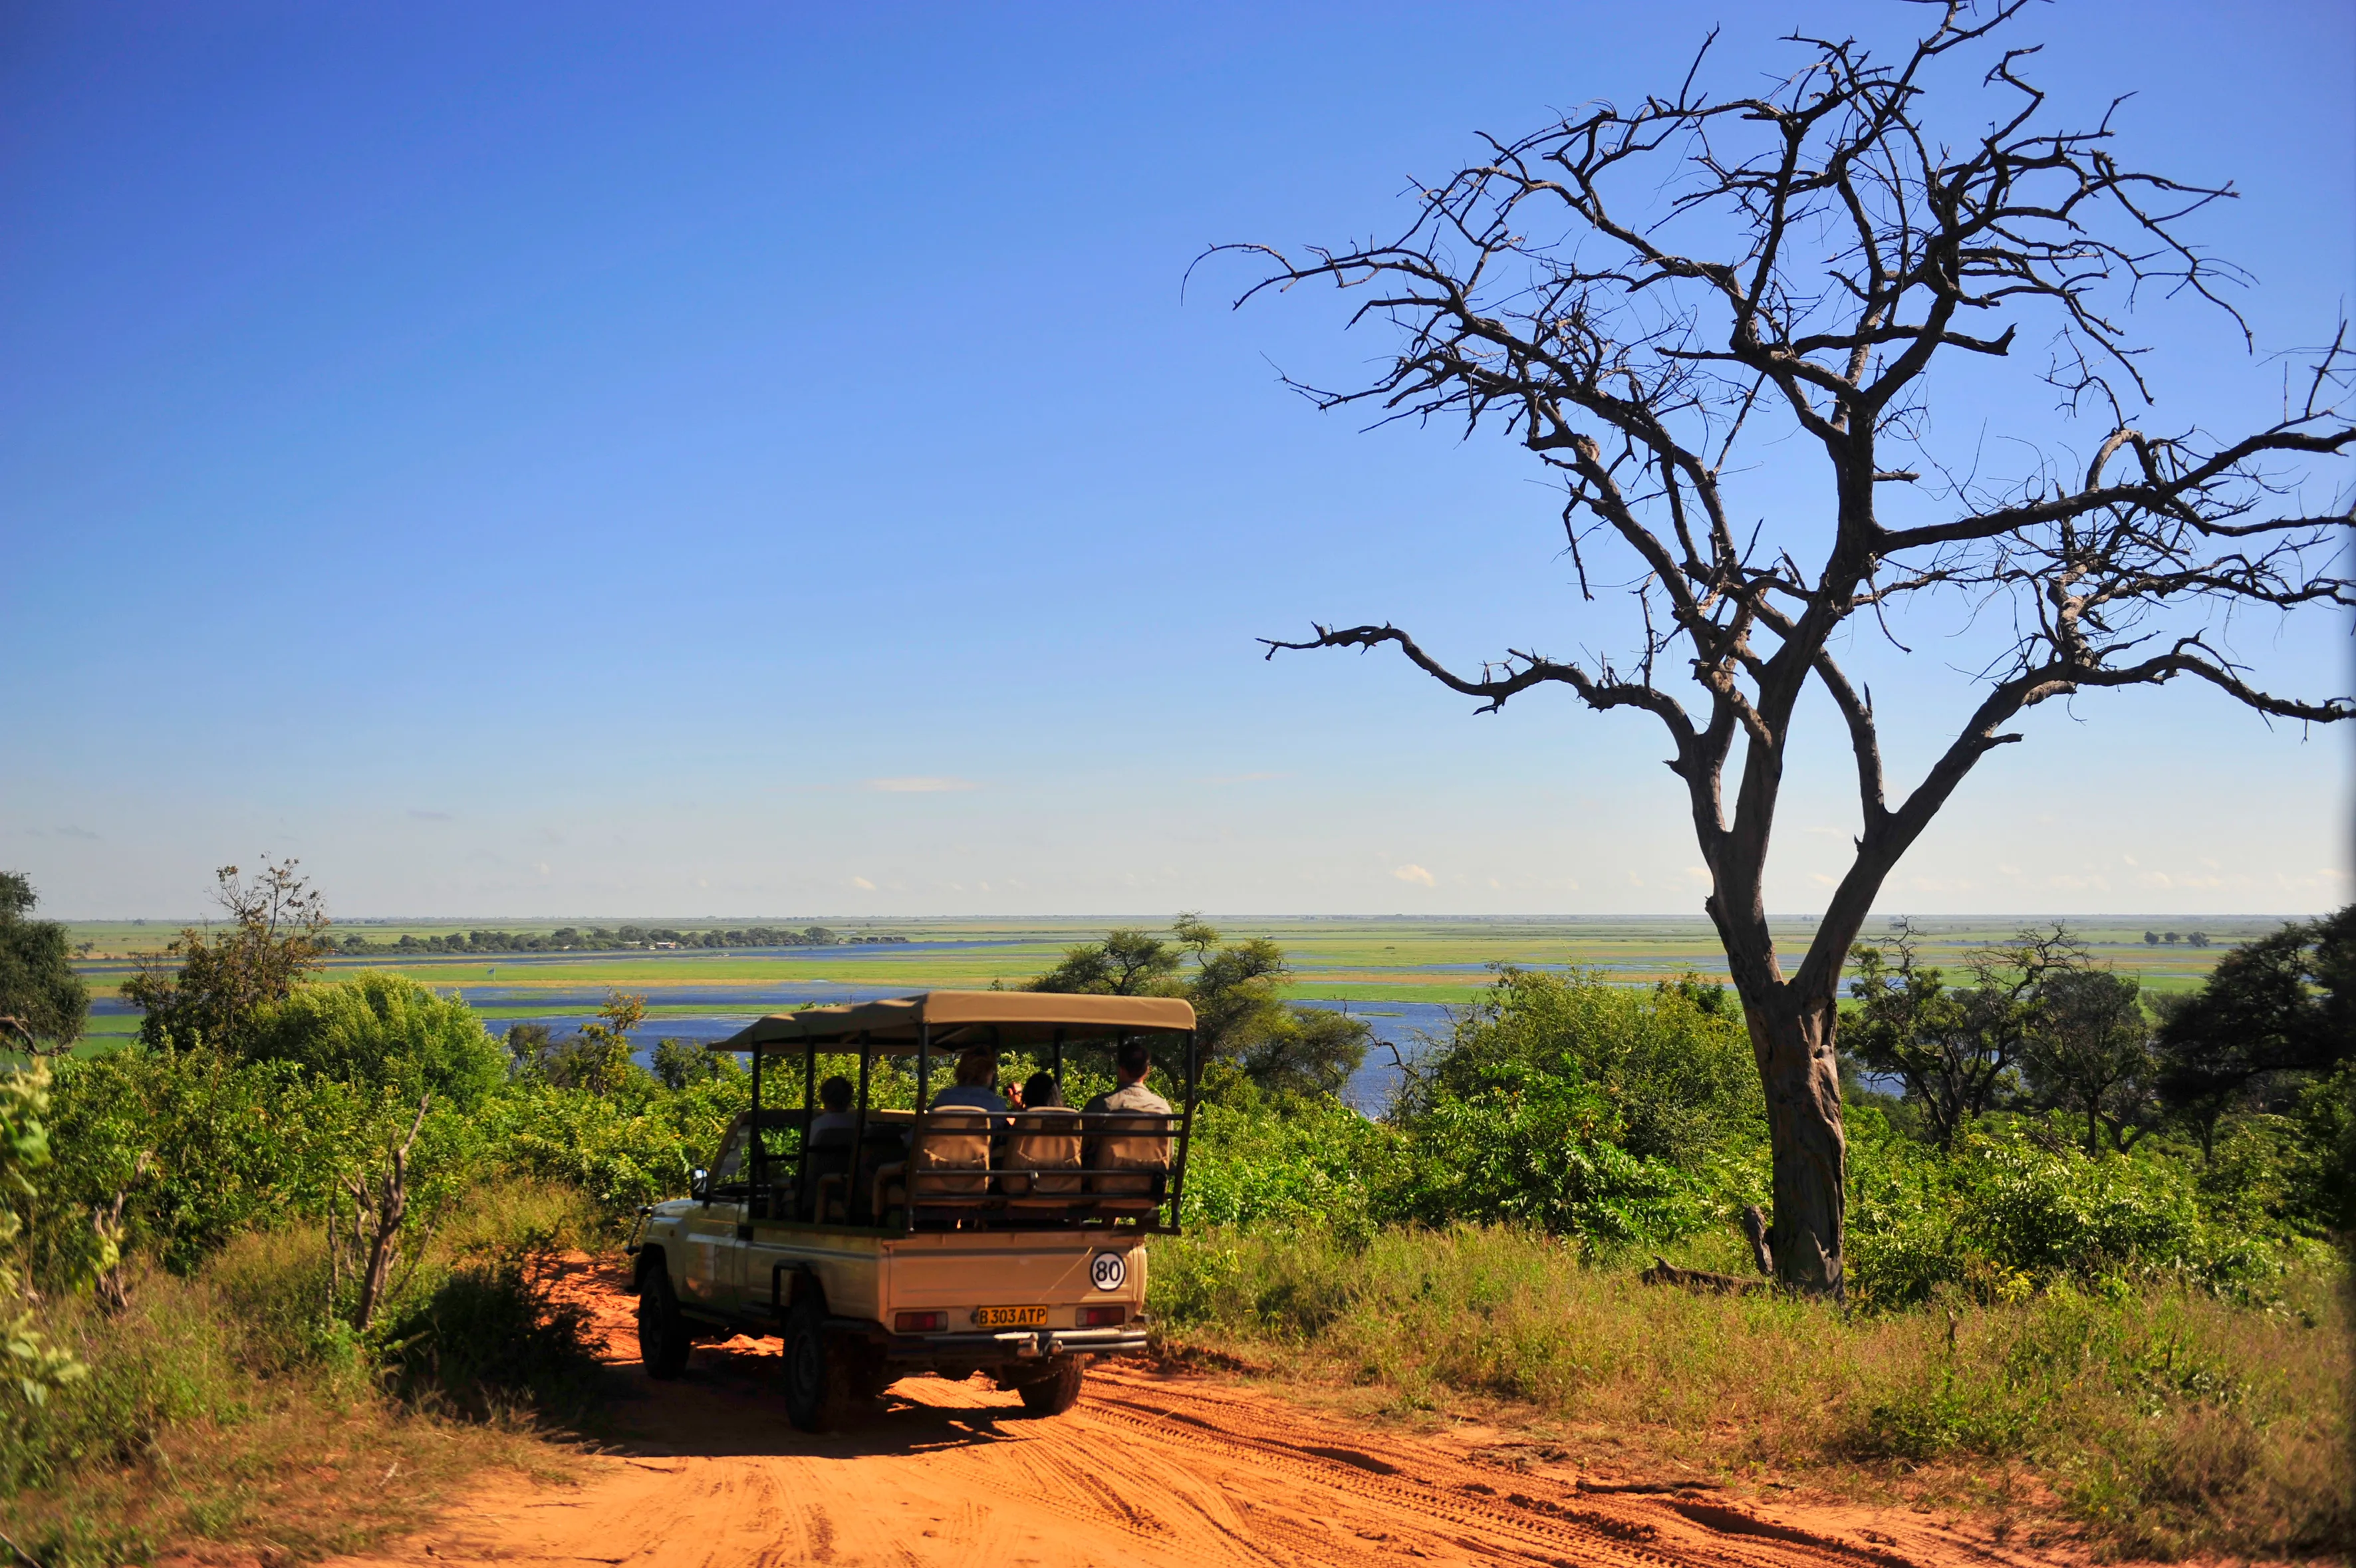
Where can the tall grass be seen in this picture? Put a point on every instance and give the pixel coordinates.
(233, 1405)
(2159, 1421)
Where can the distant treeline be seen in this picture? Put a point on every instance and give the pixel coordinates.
(598, 938)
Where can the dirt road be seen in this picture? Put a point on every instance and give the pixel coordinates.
(1151, 1469)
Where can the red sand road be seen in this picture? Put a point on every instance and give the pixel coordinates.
(1151, 1468)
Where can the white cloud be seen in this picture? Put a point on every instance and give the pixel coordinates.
(861, 882)
(918, 786)
(1414, 873)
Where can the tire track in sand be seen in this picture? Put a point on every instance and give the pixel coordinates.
(1153, 1469)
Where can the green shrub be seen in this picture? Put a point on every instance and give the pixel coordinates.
(1667, 1075)
(1286, 1160)
(380, 1029)
(2015, 1209)
(1585, 1109)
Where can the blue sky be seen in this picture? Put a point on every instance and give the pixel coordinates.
(758, 460)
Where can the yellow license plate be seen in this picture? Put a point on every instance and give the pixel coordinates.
(1009, 1317)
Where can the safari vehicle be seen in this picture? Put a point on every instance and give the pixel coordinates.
(952, 1240)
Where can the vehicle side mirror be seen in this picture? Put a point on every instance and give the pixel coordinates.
(699, 1182)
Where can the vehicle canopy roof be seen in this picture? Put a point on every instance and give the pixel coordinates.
(957, 1018)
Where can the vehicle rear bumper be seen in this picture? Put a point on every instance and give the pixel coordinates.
(1014, 1344)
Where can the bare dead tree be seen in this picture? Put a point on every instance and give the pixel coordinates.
(379, 1206)
(1842, 249)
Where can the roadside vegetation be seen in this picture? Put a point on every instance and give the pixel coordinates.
(279, 1273)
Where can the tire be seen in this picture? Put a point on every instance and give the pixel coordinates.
(662, 1332)
(821, 1390)
(1054, 1393)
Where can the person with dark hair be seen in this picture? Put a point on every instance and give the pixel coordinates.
(1042, 1157)
(1135, 1139)
(1134, 1064)
(835, 1095)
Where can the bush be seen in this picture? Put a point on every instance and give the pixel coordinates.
(380, 1029)
(2016, 1209)
(1668, 1074)
(1275, 1161)
(201, 1147)
(1585, 1109)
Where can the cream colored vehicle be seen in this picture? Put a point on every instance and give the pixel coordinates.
(888, 1243)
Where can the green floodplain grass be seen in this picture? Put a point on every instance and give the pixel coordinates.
(1372, 960)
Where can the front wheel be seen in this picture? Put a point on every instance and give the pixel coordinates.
(820, 1380)
(1054, 1393)
(662, 1334)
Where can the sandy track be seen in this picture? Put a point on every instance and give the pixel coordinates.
(1151, 1469)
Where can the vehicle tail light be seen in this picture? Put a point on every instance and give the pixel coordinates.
(919, 1322)
(1103, 1317)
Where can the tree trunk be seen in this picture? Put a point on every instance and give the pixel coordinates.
(1793, 1038)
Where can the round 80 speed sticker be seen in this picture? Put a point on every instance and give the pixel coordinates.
(1108, 1270)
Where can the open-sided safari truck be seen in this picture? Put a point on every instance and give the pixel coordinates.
(887, 1242)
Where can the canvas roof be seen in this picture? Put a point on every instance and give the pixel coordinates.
(960, 1019)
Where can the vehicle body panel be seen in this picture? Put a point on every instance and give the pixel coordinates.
(744, 1278)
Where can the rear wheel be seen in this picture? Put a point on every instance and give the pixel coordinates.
(821, 1380)
(1056, 1392)
(662, 1334)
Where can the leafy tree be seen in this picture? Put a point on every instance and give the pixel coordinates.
(678, 1063)
(1302, 1050)
(2088, 1051)
(1580, 1106)
(276, 934)
(2283, 1004)
(1126, 963)
(1935, 1041)
(598, 1059)
(382, 1029)
(1650, 300)
(42, 999)
(528, 1046)
(1233, 989)
(1674, 1075)
(1958, 1052)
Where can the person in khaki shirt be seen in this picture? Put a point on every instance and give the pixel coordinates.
(1146, 1149)
(1135, 1065)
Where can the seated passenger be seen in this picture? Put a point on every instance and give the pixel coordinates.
(977, 1085)
(835, 1123)
(1134, 1063)
(1140, 1141)
(1040, 1145)
(957, 1139)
